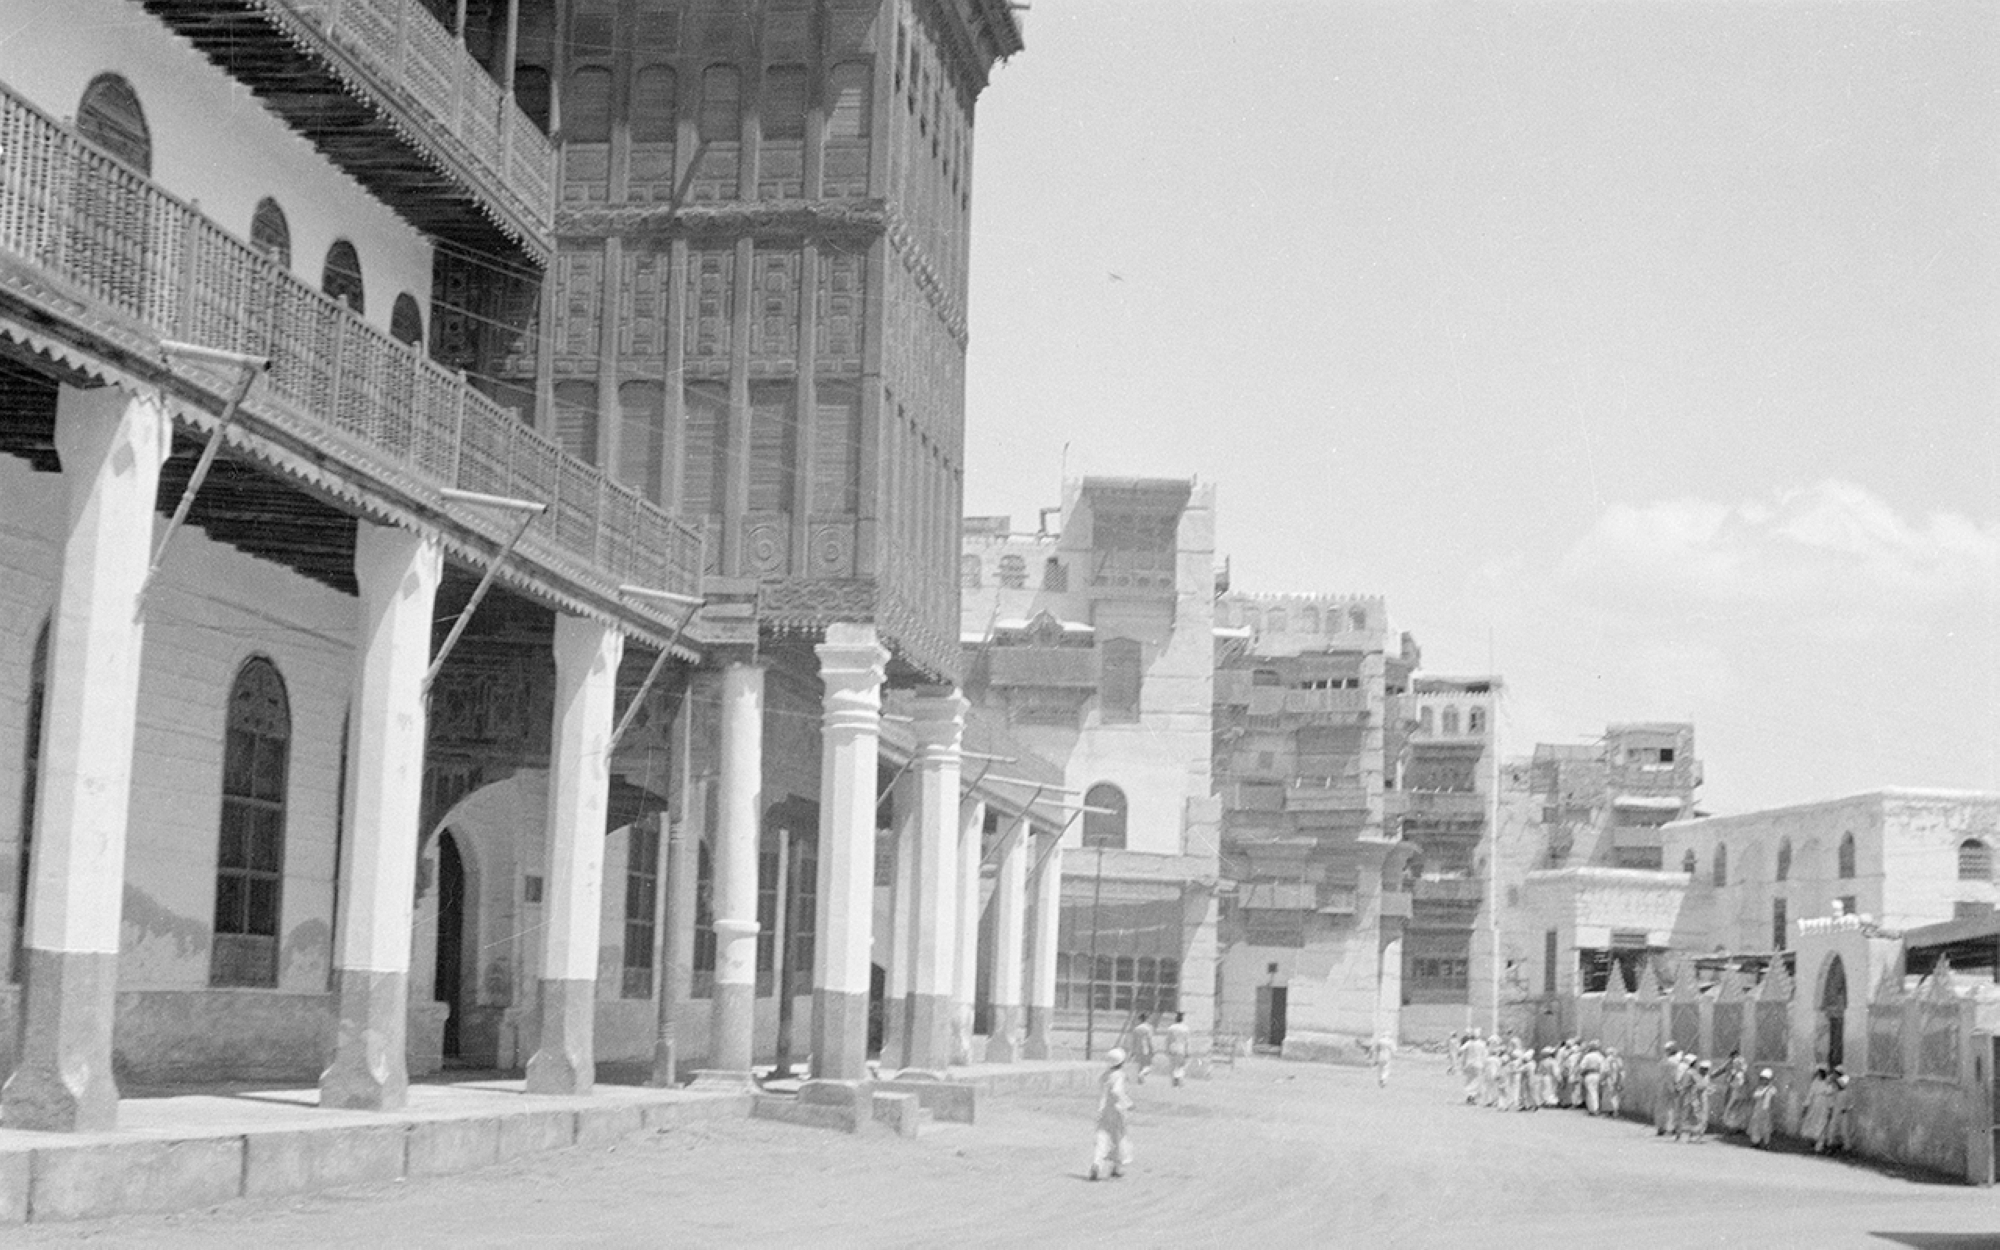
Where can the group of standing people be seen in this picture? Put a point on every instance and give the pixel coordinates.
(1696, 1099)
(1504, 1074)
(1829, 1114)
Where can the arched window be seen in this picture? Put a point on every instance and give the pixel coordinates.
(781, 114)
(340, 278)
(109, 116)
(587, 106)
(968, 572)
(653, 90)
(1975, 860)
(1475, 721)
(1106, 827)
(531, 94)
(1846, 856)
(250, 864)
(31, 771)
(847, 109)
(1720, 874)
(1687, 862)
(1449, 723)
(1055, 575)
(721, 118)
(1357, 618)
(270, 234)
(1784, 859)
(406, 321)
(1013, 573)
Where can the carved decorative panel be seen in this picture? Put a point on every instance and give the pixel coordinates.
(579, 299)
(836, 435)
(841, 297)
(711, 287)
(830, 549)
(781, 170)
(766, 545)
(774, 323)
(642, 309)
(586, 172)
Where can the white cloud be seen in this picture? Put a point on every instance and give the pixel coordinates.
(1832, 547)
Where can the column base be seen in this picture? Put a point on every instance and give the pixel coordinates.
(370, 1071)
(732, 1026)
(564, 1062)
(63, 1083)
(1003, 1045)
(931, 1038)
(1037, 1045)
(666, 1072)
(840, 1036)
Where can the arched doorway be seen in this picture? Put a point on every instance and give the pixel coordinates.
(450, 979)
(1833, 1011)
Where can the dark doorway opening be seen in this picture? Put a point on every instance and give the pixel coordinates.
(450, 980)
(1271, 1015)
(878, 989)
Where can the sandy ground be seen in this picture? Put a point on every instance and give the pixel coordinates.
(1267, 1154)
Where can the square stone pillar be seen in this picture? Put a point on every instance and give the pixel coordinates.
(739, 813)
(1010, 896)
(852, 667)
(112, 446)
(892, 949)
(965, 955)
(397, 572)
(930, 949)
(1045, 884)
(587, 655)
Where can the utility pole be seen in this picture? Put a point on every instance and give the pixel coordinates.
(1090, 990)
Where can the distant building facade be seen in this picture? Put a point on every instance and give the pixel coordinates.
(1093, 641)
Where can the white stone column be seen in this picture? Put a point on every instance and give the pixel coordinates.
(1010, 896)
(893, 948)
(965, 958)
(112, 446)
(740, 806)
(587, 655)
(852, 666)
(931, 949)
(397, 572)
(1046, 887)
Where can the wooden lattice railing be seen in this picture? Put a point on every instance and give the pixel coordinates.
(414, 59)
(100, 232)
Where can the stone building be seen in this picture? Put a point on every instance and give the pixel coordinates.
(1307, 735)
(564, 405)
(1093, 641)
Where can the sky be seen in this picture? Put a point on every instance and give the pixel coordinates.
(1644, 354)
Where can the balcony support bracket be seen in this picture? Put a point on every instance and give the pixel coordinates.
(248, 367)
(528, 510)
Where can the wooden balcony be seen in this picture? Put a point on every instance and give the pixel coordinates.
(93, 253)
(389, 95)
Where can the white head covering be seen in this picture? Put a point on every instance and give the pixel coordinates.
(1115, 1056)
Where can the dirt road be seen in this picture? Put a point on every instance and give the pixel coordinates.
(1269, 1154)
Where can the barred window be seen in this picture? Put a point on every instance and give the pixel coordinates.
(270, 233)
(1104, 828)
(110, 116)
(642, 887)
(251, 860)
(1975, 860)
(1846, 866)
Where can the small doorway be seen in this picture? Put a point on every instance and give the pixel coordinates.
(1271, 1015)
(1833, 1010)
(450, 980)
(878, 989)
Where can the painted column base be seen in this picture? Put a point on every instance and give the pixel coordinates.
(370, 1071)
(961, 1033)
(840, 1036)
(666, 1072)
(564, 1062)
(732, 1029)
(1036, 1044)
(1003, 1045)
(931, 1033)
(63, 1083)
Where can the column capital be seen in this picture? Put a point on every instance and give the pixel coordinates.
(937, 722)
(852, 665)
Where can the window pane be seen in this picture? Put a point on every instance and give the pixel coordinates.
(229, 902)
(653, 105)
(262, 906)
(239, 753)
(234, 849)
(784, 106)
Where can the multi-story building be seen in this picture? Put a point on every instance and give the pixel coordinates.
(1093, 640)
(451, 332)
(1306, 688)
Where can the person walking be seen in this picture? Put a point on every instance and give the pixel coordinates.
(1384, 1051)
(1142, 1045)
(1498, 1057)
(1818, 1109)
(1837, 1136)
(1180, 1044)
(1700, 1100)
(1761, 1099)
(1590, 1070)
(1114, 1140)
(1736, 1093)
(1472, 1062)
(1614, 1082)
(1666, 1103)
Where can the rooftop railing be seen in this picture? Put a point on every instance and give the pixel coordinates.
(112, 238)
(412, 58)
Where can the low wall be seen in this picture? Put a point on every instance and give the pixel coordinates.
(174, 1037)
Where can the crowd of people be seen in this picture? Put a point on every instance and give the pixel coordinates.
(1696, 1100)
